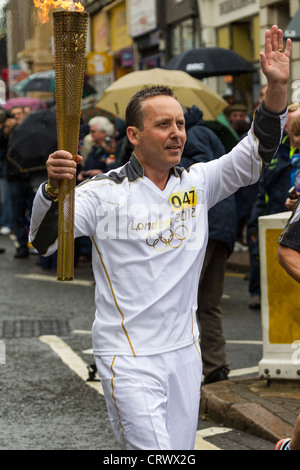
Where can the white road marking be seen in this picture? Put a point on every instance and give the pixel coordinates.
(213, 431)
(201, 444)
(88, 351)
(244, 371)
(45, 277)
(243, 341)
(71, 359)
(82, 332)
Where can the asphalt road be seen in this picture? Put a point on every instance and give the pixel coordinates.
(46, 402)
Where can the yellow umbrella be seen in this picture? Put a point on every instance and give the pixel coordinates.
(189, 91)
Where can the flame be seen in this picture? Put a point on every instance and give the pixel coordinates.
(46, 5)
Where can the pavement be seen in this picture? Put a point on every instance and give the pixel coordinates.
(266, 408)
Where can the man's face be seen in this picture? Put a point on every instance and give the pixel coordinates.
(237, 116)
(161, 141)
(18, 114)
(97, 136)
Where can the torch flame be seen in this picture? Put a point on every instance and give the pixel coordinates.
(46, 5)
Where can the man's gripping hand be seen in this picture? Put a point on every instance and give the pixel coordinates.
(61, 166)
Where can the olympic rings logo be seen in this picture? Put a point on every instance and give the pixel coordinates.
(170, 238)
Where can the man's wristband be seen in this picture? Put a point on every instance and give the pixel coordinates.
(53, 192)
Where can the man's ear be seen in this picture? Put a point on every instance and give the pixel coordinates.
(133, 135)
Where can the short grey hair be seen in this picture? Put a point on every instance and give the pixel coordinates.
(103, 124)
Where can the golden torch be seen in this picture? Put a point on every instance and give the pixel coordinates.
(70, 37)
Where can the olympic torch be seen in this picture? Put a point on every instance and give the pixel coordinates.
(70, 37)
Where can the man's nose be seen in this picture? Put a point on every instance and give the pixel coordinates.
(175, 131)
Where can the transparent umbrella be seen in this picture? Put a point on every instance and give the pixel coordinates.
(45, 81)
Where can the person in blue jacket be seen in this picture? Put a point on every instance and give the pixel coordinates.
(202, 146)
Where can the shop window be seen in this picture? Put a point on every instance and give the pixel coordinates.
(184, 36)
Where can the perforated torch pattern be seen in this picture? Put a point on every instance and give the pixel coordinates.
(70, 37)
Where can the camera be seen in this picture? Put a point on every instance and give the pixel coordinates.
(292, 193)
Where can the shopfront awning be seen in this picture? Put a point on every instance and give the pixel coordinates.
(293, 28)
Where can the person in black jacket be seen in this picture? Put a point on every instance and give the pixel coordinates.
(5, 196)
(202, 146)
(19, 182)
(274, 185)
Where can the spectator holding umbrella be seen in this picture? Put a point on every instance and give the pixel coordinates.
(32, 136)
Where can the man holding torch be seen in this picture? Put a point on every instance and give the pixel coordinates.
(148, 224)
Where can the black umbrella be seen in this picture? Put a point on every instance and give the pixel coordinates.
(293, 28)
(210, 62)
(33, 140)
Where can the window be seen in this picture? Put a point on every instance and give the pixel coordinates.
(184, 36)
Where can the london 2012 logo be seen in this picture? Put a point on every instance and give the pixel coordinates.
(172, 237)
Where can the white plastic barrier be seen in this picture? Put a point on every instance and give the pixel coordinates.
(280, 306)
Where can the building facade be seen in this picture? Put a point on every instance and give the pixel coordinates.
(127, 35)
(240, 25)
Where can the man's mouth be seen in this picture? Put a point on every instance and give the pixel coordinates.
(174, 147)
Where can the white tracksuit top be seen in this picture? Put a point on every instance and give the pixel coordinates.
(149, 245)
